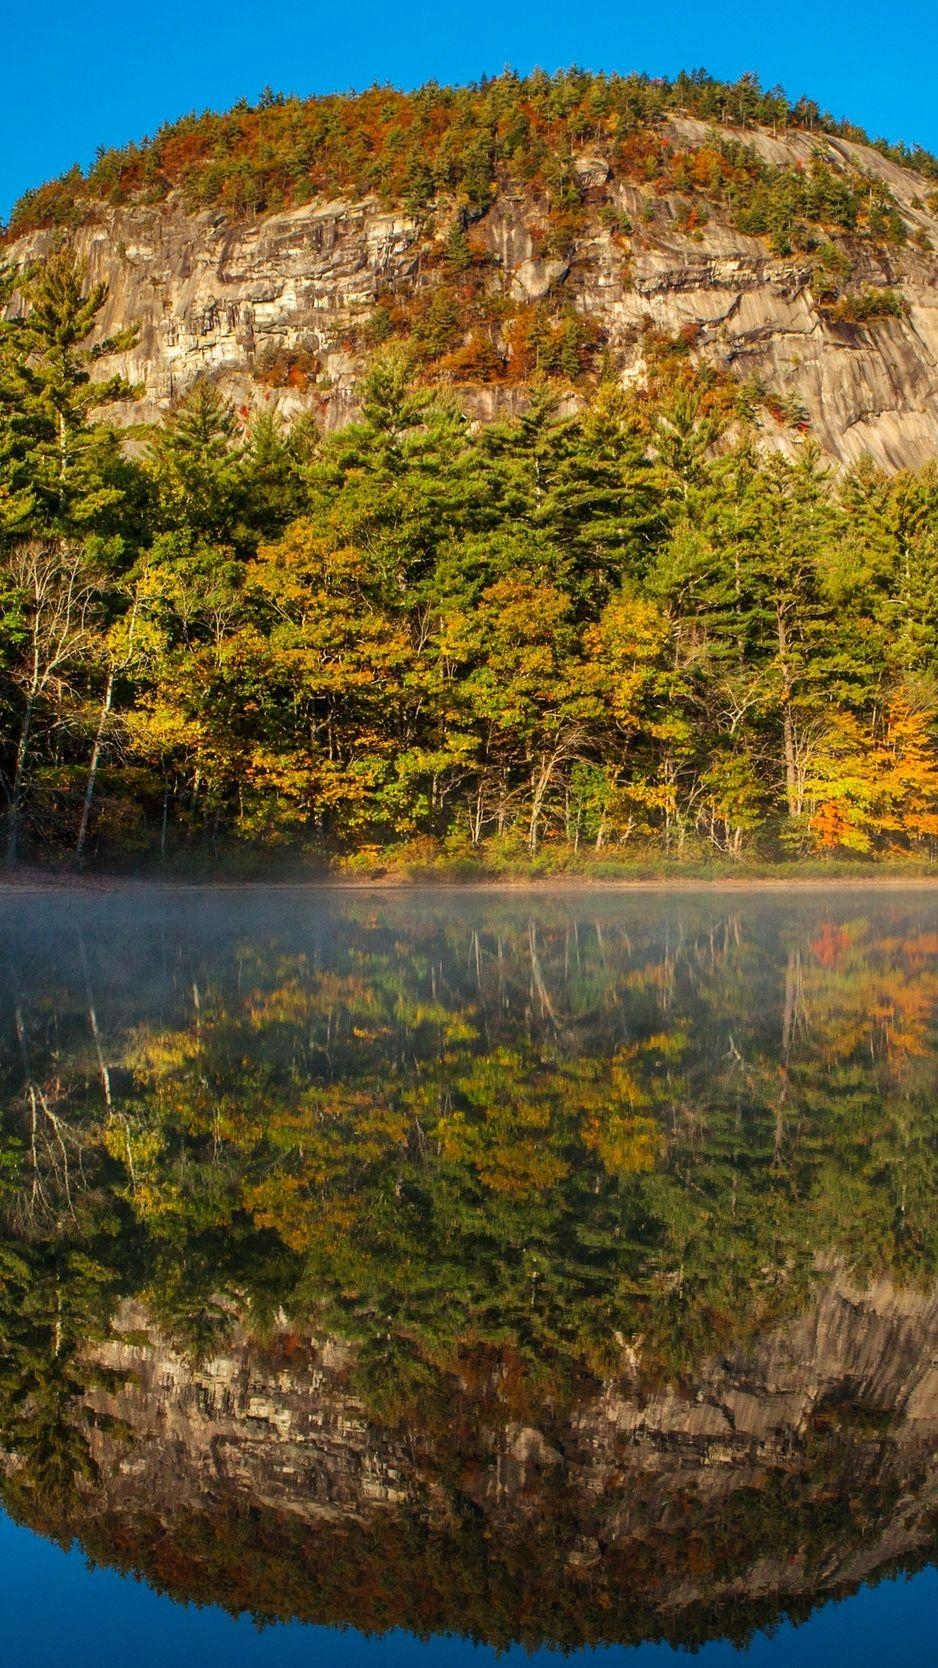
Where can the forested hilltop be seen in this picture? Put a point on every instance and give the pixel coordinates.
(411, 148)
(551, 227)
(619, 630)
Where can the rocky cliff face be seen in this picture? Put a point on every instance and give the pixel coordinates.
(225, 300)
(788, 1472)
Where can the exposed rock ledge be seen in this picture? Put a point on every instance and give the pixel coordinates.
(217, 299)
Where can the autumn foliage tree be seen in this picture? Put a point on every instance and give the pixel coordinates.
(632, 628)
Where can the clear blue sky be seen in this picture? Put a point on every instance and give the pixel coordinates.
(73, 77)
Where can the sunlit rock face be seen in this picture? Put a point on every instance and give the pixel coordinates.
(225, 300)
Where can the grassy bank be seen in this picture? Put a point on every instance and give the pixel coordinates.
(420, 865)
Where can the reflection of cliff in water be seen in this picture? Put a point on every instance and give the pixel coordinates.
(783, 1475)
(618, 1215)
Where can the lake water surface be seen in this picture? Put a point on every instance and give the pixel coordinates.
(431, 1274)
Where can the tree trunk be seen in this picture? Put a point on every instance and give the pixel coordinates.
(477, 816)
(165, 821)
(541, 785)
(16, 792)
(103, 1069)
(790, 1014)
(792, 793)
(540, 789)
(93, 768)
(542, 780)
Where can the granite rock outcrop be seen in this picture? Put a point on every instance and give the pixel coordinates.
(224, 299)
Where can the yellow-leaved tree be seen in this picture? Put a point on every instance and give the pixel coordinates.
(905, 763)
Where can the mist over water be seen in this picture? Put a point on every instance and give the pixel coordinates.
(541, 1271)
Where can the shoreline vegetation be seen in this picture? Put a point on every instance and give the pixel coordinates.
(623, 630)
(405, 876)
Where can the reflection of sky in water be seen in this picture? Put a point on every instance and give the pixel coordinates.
(56, 1613)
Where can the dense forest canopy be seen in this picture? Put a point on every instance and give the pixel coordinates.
(627, 629)
(410, 149)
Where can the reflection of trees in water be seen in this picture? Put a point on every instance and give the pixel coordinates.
(494, 1145)
(55, 1302)
(543, 1128)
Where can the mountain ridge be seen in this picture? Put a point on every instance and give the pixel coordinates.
(593, 222)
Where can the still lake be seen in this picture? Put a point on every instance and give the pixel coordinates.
(428, 1276)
